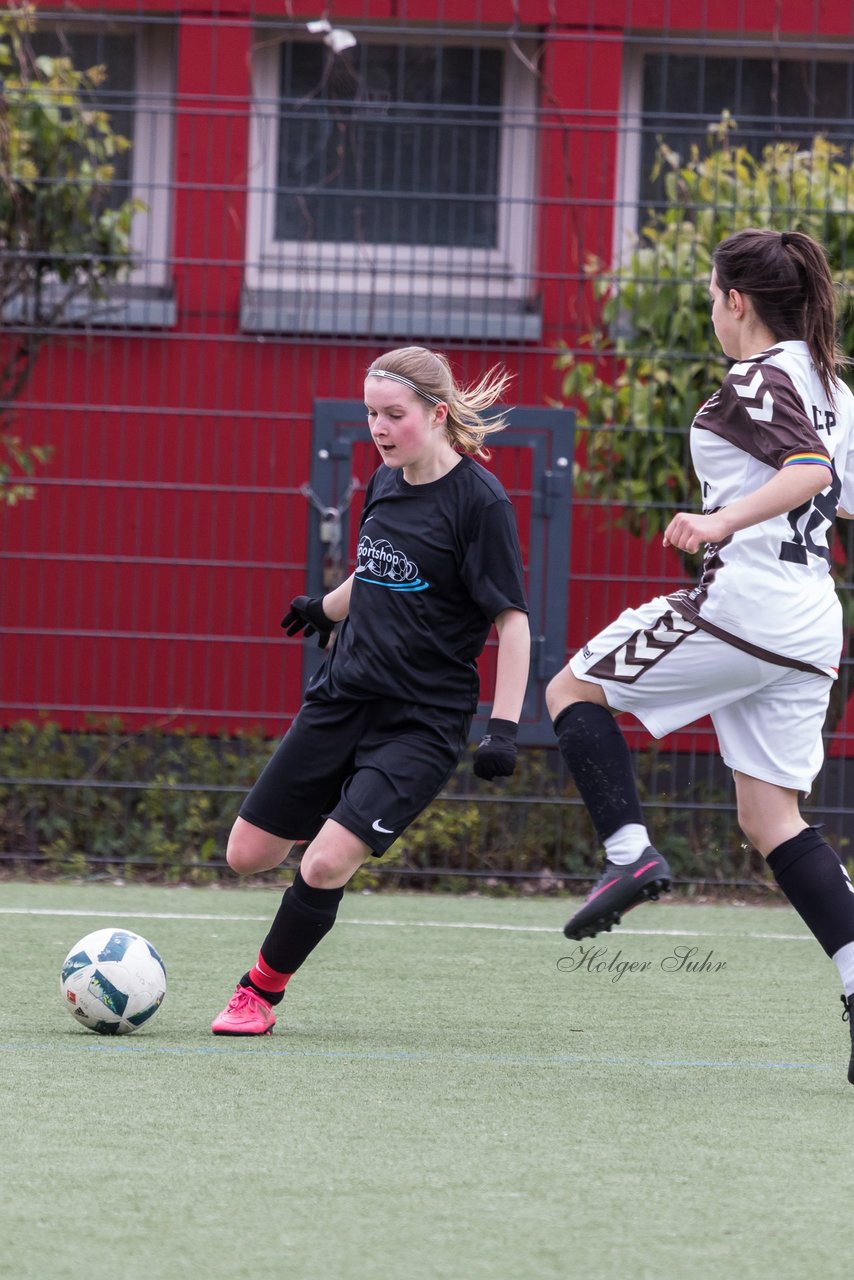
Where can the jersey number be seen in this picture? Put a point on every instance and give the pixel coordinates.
(817, 513)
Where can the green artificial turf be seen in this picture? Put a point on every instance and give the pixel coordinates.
(447, 1095)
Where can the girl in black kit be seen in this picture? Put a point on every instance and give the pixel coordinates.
(387, 716)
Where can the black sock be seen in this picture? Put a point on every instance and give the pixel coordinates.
(600, 762)
(304, 918)
(814, 880)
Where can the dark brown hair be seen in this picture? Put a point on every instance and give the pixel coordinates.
(788, 280)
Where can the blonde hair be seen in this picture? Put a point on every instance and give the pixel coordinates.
(429, 375)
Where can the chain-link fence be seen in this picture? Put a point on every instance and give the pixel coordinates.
(535, 184)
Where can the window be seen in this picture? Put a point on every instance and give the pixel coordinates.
(676, 96)
(117, 54)
(137, 93)
(391, 189)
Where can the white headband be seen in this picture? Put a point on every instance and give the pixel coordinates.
(407, 382)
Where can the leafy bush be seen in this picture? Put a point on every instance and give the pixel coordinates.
(159, 806)
(133, 804)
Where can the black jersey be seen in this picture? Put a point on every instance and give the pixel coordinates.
(436, 564)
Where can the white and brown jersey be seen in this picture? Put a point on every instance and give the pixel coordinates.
(768, 588)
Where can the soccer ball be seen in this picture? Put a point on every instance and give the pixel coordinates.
(112, 981)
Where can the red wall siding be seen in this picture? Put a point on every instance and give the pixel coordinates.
(151, 571)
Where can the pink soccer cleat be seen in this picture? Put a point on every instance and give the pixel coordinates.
(246, 1014)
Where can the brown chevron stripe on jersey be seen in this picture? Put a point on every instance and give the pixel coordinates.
(757, 409)
(681, 602)
(643, 649)
(754, 389)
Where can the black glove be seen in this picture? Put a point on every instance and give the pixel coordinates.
(306, 615)
(496, 755)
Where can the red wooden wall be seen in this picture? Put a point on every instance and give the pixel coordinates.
(148, 577)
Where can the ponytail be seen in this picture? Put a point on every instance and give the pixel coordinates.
(789, 282)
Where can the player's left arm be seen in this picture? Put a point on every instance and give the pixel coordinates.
(317, 615)
(496, 755)
(336, 603)
(514, 658)
(787, 489)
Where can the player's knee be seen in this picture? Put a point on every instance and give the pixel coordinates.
(564, 689)
(238, 855)
(557, 696)
(248, 850)
(330, 866)
(750, 828)
(319, 872)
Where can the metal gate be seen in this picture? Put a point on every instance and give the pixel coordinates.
(533, 459)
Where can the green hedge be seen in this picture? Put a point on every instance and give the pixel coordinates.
(153, 805)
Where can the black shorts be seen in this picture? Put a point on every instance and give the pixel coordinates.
(373, 766)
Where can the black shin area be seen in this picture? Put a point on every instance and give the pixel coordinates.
(598, 757)
(304, 918)
(816, 883)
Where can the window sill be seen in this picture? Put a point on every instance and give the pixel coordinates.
(122, 307)
(390, 315)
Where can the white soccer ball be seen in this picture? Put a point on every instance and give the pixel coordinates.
(112, 981)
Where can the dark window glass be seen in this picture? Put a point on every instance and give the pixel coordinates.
(771, 100)
(116, 95)
(389, 144)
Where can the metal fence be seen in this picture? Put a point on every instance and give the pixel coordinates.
(503, 181)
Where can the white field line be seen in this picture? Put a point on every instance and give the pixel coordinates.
(398, 924)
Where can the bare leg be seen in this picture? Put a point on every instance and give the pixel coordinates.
(251, 850)
(565, 689)
(767, 814)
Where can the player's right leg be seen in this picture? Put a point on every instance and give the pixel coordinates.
(667, 673)
(287, 805)
(398, 759)
(598, 758)
(306, 914)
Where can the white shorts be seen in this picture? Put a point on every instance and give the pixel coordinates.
(667, 672)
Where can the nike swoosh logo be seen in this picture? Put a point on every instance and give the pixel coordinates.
(378, 826)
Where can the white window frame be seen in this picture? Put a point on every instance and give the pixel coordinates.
(332, 267)
(626, 195)
(152, 155)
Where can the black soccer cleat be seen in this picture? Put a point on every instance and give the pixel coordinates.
(848, 1016)
(618, 890)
